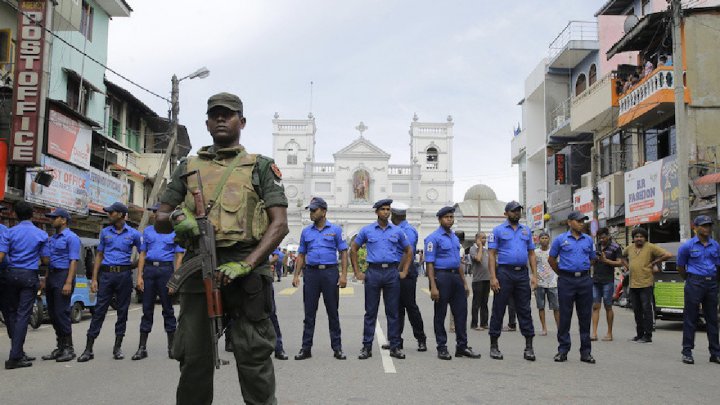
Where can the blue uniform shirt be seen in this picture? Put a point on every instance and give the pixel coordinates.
(382, 244)
(320, 246)
(699, 259)
(117, 247)
(412, 237)
(442, 248)
(512, 245)
(62, 248)
(159, 247)
(22, 245)
(4, 263)
(575, 254)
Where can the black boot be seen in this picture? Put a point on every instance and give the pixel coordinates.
(117, 350)
(87, 354)
(171, 339)
(494, 350)
(56, 351)
(141, 352)
(67, 352)
(529, 353)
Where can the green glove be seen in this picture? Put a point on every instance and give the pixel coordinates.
(186, 228)
(234, 270)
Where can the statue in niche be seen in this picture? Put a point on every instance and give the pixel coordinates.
(361, 185)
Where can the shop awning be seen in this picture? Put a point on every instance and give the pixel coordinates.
(708, 179)
(640, 36)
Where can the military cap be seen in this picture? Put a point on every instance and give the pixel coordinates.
(59, 212)
(316, 203)
(399, 208)
(512, 206)
(577, 216)
(227, 100)
(116, 207)
(702, 220)
(154, 207)
(380, 203)
(444, 211)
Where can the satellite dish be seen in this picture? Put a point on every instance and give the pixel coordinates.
(630, 22)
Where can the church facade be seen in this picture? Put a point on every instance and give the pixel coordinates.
(361, 173)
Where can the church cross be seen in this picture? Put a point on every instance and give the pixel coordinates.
(361, 127)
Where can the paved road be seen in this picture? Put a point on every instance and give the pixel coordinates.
(626, 372)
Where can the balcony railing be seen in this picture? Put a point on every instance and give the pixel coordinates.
(400, 169)
(560, 116)
(574, 31)
(662, 78)
(323, 168)
(612, 76)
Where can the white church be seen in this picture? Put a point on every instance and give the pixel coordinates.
(362, 174)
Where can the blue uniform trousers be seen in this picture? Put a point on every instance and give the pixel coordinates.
(515, 286)
(700, 291)
(21, 289)
(109, 284)
(4, 301)
(58, 305)
(408, 302)
(155, 279)
(321, 281)
(387, 281)
(276, 324)
(578, 291)
(451, 292)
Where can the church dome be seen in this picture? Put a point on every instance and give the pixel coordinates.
(480, 192)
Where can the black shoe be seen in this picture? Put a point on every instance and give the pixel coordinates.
(365, 353)
(13, 364)
(338, 354)
(55, 353)
(495, 353)
(644, 339)
(281, 355)
(688, 359)
(529, 354)
(397, 353)
(444, 355)
(714, 359)
(588, 358)
(28, 358)
(67, 351)
(170, 340)
(303, 354)
(117, 348)
(386, 346)
(560, 357)
(636, 338)
(422, 346)
(467, 352)
(140, 354)
(87, 354)
(228, 346)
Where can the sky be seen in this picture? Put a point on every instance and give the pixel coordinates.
(376, 61)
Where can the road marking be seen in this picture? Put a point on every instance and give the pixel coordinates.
(425, 290)
(347, 291)
(384, 354)
(288, 291)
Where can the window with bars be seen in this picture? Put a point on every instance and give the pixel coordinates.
(615, 153)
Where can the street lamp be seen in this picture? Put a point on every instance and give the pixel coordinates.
(201, 73)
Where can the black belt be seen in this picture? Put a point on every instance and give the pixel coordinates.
(447, 270)
(321, 266)
(18, 268)
(702, 278)
(114, 269)
(511, 267)
(574, 274)
(383, 265)
(159, 263)
(57, 269)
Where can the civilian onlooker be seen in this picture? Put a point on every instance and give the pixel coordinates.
(547, 283)
(642, 258)
(648, 68)
(665, 60)
(609, 254)
(480, 282)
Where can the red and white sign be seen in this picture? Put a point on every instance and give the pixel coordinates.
(26, 134)
(537, 213)
(583, 200)
(69, 139)
(652, 192)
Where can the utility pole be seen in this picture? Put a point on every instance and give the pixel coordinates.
(595, 174)
(175, 109)
(681, 127)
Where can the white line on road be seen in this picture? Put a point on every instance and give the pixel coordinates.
(384, 354)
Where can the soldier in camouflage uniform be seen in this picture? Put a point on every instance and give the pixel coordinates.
(250, 218)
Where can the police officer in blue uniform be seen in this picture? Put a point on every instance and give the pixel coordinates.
(697, 262)
(160, 255)
(576, 252)
(510, 249)
(408, 285)
(3, 273)
(61, 255)
(383, 242)
(112, 275)
(22, 244)
(448, 285)
(317, 261)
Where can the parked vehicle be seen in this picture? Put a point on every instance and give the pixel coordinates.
(669, 287)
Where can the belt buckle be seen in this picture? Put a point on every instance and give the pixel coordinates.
(384, 265)
(517, 268)
(156, 264)
(708, 278)
(578, 273)
(321, 267)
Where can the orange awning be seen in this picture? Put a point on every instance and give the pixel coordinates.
(708, 179)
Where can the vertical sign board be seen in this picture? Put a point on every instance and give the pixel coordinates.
(652, 192)
(537, 213)
(560, 169)
(27, 96)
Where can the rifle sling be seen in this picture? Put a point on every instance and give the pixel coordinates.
(186, 269)
(221, 184)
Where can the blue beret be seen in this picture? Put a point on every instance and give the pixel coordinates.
(702, 220)
(316, 203)
(59, 212)
(577, 216)
(117, 207)
(512, 206)
(444, 211)
(380, 203)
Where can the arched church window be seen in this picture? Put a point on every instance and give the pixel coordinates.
(431, 156)
(292, 150)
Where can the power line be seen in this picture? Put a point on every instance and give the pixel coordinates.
(85, 54)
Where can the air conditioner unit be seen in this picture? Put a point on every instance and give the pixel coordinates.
(617, 189)
(586, 180)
